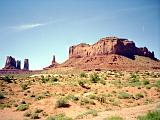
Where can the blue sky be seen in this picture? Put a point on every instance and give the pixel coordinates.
(38, 29)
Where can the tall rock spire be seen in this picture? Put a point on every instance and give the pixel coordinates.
(26, 64)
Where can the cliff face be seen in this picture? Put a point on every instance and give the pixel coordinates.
(109, 45)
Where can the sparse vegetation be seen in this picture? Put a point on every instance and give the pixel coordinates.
(94, 78)
(89, 112)
(27, 113)
(62, 102)
(83, 74)
(59, 117)
(145, 82)
(1, 95)
(124, 95)
(22, 107)
(151, 115)
(114, 118)
(139, 96)
(90, 91)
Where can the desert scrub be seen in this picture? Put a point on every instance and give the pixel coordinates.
(145, 82)
(114, 118)
(1, 95)
(138, 96)
(35, 116)
(8, 78)
(89, 112)
(27, 113)
(85, 100)
(157, 84)
(59, 117)
(62, 102)
(22, 107)
(124, 95)
(94, 78)
(37, 110)
(151, 115)
(53, 79)
(44, 80)
(83, 75)
(24, 86)
(101, 98)
(72, 97)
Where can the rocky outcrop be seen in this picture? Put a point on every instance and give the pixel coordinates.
(18, 64)
(11, 63)
(109, 45)
(53, 64)
(26, 64)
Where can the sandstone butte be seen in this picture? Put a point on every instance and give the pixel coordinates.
(109, 53)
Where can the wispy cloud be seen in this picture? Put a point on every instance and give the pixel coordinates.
(27, 26)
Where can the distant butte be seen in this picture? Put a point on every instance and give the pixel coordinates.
(110, 53)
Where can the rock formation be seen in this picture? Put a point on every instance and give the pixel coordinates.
(53, 64)
(26, 64)
(10, 63)
(18, 64)
(109, 45)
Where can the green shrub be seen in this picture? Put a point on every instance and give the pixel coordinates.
(94, 78)
(89, 112)
(84, 101)
(151, 115)
(124, 95)
(145, 82)
(83, 74)
(39, 97)
(139, 96)
(92, 96)
(37, 110)
(1, 95)
(158, 83)
(44, 80)
(53, 79)
(59, 117)
(27, 114)
(8, 78)
(114, 118)
(35, 116)
(2, 106)
(62, 102)
(72, 97)
(22, 107)
(24, 86)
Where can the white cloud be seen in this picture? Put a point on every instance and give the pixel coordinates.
(27, 26)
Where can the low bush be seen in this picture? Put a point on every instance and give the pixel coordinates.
(37, 110)
(27, 114)
(139, 96)
(24, 86)
(151, 115)
(83, 74)
(145, 82)
(94, 78)
(1, 95)
(89, 112)
(62, 102)
(114, 118)
(35, 116)
(124, 95)
(22, 107)
(59, 117)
